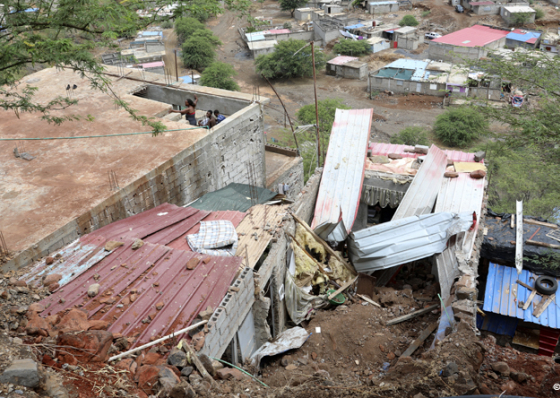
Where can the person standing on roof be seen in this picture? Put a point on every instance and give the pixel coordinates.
(219, 117)
(189, 111)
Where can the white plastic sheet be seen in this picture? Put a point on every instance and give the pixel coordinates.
(288, 340)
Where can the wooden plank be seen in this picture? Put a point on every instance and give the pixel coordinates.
(342, 288)
(519, 238)
(542, 224)
(418, 342)
(512, 221)
(538, 311)
(525, 285)
(542, 244)
(324, 244)
(412, 315)
(531, 297)
(366, 298)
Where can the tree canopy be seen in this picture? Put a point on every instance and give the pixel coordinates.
(460, 127)
(352, 47)
(219, 75)
(291, 5)
(64, 34)
(198, 53)
(285, 63)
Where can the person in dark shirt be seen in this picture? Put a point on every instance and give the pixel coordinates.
(219, 117)
(189, 111)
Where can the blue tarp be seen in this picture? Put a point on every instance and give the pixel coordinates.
(523, 37)
(186, 79)
(357, 26)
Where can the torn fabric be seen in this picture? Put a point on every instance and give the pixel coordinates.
(216, 238)
(287, 340)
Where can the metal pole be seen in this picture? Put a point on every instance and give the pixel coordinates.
(176, 68)
(316, 106)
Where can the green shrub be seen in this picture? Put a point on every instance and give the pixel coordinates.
(352, 47)
(167, 24)
(197, 53)
(460, 127)
(539, 13)
(219, 75)
(412, 135)
(283, 63)
(207, 35)
(185, 27)
(408, 20)
(426, 13)
(287, 25)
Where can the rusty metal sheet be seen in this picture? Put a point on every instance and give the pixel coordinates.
(169, 234)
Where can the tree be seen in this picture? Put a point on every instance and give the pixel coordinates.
(219, 75)
(291, 5)
(208, 35)
(65, 34)
(306, 115)
(185, 28)
(520, 18)
(412, 135)
(408, 20)
(282, 63)
(460, 127)
(352, 47)
(197, 53)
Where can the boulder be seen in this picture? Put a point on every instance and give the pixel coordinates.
(93, 290)
(478, 174)
(112, 245)
(36, 307)
(49, 260)
(147, 377)
(394, 156)
(519, 377)
(379, 159)
(478, 156)
(229, 373)
(75, 320)
(152, 358)
(51, 278)
(177, 358)
(53, 286)
(502, 368)
(450, 369)
(182, 390)
(23, 372)
(37, 326)
(167, 379)
(89, 346)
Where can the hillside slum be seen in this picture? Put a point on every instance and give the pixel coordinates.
(387, 276)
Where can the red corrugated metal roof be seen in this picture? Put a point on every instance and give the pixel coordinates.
(379, 148)
(475, 36)
(341, 60)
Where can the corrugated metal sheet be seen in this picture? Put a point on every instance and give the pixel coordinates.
(385, 189)
(233, 197)
(255, 36)
(401, 241)
(343, 174)
(379, 148)
(498, 324)
(422, 193)
(475, 36)
(158, 275)
(503, 294)
(341, 60)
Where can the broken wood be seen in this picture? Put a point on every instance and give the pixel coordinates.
(542, 244)
(534, 233)
(542, 224)
(418, 342)
(512, 221)
(324, 244)
(319, 265)
(480, 311)
(538, 311)
(342, 288)
(412, 315)
(531, 297)
(366, 298)
(525, 285)
(199, 366)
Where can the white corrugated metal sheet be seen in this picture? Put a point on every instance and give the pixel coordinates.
(343, 174)
(402, 241)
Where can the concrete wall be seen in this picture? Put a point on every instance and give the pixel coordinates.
(211, 163)
(509, 17)
(293, 177)
(450, 53)
(262, 51)
(512, 44)
(306, 36)
(303, 15)
(348, 72)
(154, 46)
(408, 42)
(382, 8)
(326, 35)
(493, 94)
(493, 9)
(405, 86)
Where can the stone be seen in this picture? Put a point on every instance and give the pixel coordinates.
(93, 290)
(177, 358)
(478, 156)
(36, 307)
(394, 156)
(125, 301)
(147, 377)
(217, 365)
(49, 260)
(519, 377)
(192, 263)
(186, 371)
(122, 343)
(75, 320)
(478, 174)
(5, 295)
(230, 373)
(450, 369)
(379, 159)
(182, 390)
(89, 346)
(20, 283)
(207, 363)
(502, 368)
(314, 356)
(112, 245)
(159, 305)
(128, 365)
(195, 378)
(51, 278)
(291, 367)
(451, 174)
(508, 387)
(23, 372)
(206, 314)
(138, 243)
(167, 379)
(152, 358)
(98, 325)
(391, 356)
(36, 325)
(286, 360)
(52, 287)
(421, 149)
(133, 297)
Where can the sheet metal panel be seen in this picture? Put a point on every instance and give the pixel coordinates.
(379, 148)
(341, 60)
(343, 174)
(401, 241)
(169, 234)
(422, 193)
(498, 324)
(475, 36)
(503, 294)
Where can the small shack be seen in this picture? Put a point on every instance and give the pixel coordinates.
(378, 44)
(549, 42)
(261, 47)
(523, 38)
(406, 37)
(518, 15)
(382, 7)
(306, 14)
(347, 67)
(484, 7)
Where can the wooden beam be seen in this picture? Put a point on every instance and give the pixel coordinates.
(538, 311)
(542, 224)
(512, 221)
(324, 244)
(418, 342)
(366, 298)
(342, 288)
(542, 244)
(519, 238)
(525, 285)
(412, 315)
(528, 302)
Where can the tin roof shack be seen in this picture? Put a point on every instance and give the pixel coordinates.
(176, 167)
(382, 7)
(483, 7)
(471, 43)
(407, 37)
(307, 14)
(378, 44)
(523, 38)
(261, 47)
(347, 67)
(153, 67)
(518, 15)
(550, 42)
(383, 31)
